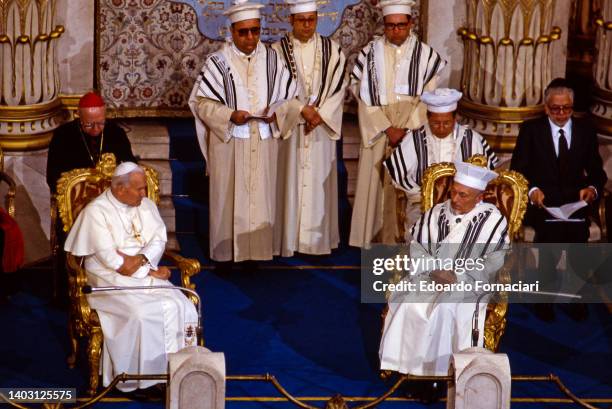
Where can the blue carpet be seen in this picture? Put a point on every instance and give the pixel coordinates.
(306, 327)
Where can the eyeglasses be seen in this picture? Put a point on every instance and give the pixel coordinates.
(91, 125)
(244, 32)
(309, 20)
(441, 124)
(557, 109)
(399, 26)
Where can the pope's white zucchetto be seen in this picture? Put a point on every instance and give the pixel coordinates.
(473, 176)
(126, 168)
(396, 7)
(302, 6)
(441, 100)
(243, 10)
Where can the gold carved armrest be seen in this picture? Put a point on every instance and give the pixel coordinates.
(188, 268)
(10, 196)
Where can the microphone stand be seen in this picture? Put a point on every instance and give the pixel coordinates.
(87, 289)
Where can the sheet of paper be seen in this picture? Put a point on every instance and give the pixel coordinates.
(565, 212)
(268, 112)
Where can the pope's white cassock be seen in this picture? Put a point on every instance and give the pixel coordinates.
(140, 327)
(309, 190)
(387, 81)
(420, 149)
(242, 160)
(420, 337)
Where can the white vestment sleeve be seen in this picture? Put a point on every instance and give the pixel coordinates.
(109, 258)
(153, 251)
(216, 117)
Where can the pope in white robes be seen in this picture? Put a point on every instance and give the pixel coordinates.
(122, 237)
(388, 78)
(308, 185)
(423, 329)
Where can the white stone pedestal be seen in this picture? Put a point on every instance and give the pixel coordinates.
(481, 380)
(197, 379)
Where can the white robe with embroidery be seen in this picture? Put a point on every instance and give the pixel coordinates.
(140, 327)
(242, 160)
(308, 185)
(420, 337)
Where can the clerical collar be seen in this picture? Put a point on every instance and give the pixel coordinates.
(245, 55)
(115, 201)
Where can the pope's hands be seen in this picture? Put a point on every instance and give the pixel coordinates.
(130, 263)
(162, 273)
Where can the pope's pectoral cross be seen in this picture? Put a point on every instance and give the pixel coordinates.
(137, 234)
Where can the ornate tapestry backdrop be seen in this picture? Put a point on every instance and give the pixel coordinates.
(150, 51)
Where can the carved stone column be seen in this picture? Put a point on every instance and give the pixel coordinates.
(602, 70)
(508, 61)
(29, 78)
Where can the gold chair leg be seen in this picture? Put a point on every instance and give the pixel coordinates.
(94, 350)
(74, 344)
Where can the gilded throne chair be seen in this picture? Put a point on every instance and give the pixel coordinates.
(75, 189)
(509, 193)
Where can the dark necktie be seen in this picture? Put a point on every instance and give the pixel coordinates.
(563, 157)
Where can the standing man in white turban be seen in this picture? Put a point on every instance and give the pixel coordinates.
(233, 101)
(309, 191)
(388, 79)
(441, 139)
(422, 331)
(122, 237)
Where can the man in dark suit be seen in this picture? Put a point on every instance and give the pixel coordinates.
(559, 156)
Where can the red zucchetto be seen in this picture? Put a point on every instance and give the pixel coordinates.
(91, 100)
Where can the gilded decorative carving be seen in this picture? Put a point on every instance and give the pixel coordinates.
(29, 108)
(508, 52)
(150, 52)
(602, 70)
(75, 189)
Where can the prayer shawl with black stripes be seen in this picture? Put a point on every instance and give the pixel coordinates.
(481, 230)
(330, 78)
(309, 162)
(419, 64)
(422, 332)
(218, 81)
(408, 162)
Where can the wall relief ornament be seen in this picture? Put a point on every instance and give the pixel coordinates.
(150, 51)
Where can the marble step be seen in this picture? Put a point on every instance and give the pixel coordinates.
(149, 138)
(167, 212)
(172, 243)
